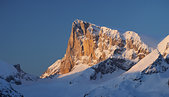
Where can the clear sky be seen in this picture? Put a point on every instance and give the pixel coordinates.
(34, 33)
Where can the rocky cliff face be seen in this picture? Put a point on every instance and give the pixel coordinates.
(90, 44)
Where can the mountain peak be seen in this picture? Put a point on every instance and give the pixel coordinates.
(77, 22)
(90, 44)
(81, 28)
(131, 35)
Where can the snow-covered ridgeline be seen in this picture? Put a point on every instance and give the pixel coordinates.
(163, 47)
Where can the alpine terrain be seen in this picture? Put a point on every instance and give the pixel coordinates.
(12, 75)
(90, 44)
(99, 62)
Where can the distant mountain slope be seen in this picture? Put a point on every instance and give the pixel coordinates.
(90, 44)
(14, 74)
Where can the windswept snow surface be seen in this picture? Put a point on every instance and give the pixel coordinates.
(76, 84)
(151, 86)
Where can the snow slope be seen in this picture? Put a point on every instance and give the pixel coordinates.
(74, 85)
(7, 91)
(137, 82)
(14, 74)
(145, 62)
(163, 46)
(6, 69)
(148, 78)
(151, 86)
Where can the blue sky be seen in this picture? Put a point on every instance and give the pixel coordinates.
(34, 33)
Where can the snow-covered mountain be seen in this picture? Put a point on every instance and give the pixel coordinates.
(148, 78)
(14, 74)
(99, 62)
(90, 44)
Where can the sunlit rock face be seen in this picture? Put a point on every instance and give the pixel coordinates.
(90, 44)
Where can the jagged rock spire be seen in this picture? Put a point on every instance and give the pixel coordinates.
(90, 44)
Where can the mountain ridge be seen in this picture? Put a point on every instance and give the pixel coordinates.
(13, 75)
(149, 77)
(90, 44)
(101, 62)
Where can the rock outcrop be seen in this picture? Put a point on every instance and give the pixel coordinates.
(90, 44)
(6, 90)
